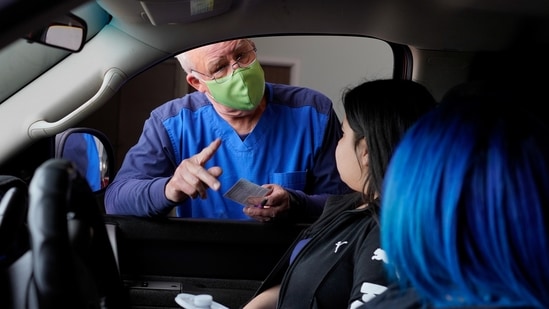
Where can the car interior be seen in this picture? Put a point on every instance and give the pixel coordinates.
(75, 68)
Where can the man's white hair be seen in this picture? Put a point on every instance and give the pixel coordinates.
(186, 63)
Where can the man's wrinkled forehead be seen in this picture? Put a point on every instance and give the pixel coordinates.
(208, 56)
(221, 49)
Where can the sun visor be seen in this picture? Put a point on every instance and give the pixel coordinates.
(162, 12)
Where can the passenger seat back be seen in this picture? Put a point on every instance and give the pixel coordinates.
(14, 237)
(70, 263)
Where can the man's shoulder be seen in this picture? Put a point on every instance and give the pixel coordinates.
(296, 96)
(291, 89)
(190, 102)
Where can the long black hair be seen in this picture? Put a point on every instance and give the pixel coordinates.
(380, 111)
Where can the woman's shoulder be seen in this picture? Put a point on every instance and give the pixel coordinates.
(342, 202)
(334, 206)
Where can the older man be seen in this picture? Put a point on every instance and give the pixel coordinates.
(235, 126)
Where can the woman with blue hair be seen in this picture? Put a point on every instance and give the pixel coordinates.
(465, 211)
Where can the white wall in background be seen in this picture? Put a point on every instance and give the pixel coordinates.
(328, 64)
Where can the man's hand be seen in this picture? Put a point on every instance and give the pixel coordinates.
(191, 179)
(275, 205)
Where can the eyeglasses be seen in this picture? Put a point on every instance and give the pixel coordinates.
(223, 73)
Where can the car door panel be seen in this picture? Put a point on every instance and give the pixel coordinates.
(160, 258)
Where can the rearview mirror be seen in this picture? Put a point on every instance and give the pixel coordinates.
(68, 33)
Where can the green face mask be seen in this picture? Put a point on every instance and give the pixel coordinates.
(243, 90)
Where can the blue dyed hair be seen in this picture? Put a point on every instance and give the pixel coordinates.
(464, 215)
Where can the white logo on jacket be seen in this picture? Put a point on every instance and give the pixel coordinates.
(338, 244)
(380, 255)
(369, 290)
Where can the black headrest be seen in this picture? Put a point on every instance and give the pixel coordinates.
(73, 265)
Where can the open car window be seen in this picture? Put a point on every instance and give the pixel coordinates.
(328, 64)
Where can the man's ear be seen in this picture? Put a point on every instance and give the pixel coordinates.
(196, 83)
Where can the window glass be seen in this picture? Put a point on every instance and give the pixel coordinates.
(328, 63)
(325, 63)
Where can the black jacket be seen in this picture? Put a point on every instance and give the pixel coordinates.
(341, 264)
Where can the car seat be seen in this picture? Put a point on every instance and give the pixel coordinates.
(13, 215)
(69, 262)
(14, 241)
